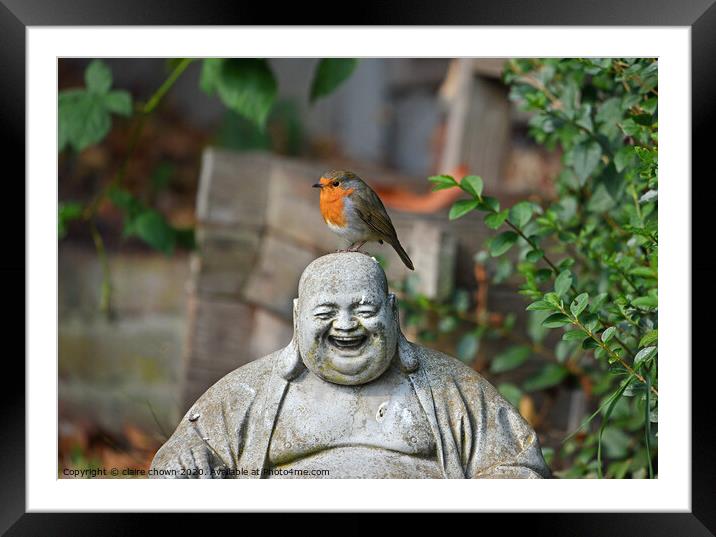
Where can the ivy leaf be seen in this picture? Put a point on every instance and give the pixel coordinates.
(461, 208)
(98, 77)
(585, 158)
(521, 213)
(563, 282)
(503, 242)
(472, 184)
(495, 220)
(83, 119)
(245, 85)
(84, 114)
(510, 359)
(550, 375)
(331, 73)
(119, 102)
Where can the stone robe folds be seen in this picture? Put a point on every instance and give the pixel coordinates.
(227, 432)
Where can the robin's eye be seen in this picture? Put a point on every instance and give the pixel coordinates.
(336, 183)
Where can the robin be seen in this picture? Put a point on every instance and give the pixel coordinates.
(354, 212)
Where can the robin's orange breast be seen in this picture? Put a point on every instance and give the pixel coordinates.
(332, 205)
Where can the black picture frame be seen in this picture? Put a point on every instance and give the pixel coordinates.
(17, 15)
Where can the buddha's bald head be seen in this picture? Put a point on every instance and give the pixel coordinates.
(341, 270)
(346, 321)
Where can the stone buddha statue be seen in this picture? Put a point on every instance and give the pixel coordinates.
(350, 397)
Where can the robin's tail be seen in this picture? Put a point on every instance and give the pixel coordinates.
(402, 253)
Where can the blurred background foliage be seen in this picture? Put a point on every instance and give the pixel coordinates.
(582, 249)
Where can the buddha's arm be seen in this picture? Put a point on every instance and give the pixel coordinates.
(525, 464)
(201, 447)
(505, 446)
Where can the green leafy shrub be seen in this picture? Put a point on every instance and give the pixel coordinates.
(588, 259)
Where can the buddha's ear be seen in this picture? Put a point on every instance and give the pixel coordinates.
(291, 364)
(393, 302)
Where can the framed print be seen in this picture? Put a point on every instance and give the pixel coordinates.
(522, 151)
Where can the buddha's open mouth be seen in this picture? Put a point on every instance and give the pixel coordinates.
(347, 343)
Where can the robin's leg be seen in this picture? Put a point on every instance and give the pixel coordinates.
(349, 249)
(356, 246)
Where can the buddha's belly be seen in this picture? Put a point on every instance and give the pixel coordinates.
(353, 462)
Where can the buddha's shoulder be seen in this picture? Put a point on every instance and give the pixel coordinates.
(444, 367)
(243, 383)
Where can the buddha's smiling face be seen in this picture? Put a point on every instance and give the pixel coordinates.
(347, 325)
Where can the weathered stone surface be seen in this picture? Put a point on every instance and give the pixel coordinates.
(293, 206)
(225, 259)
(272, 283)
(141, 283)
(350, 397)
(121, 371)
(233, 187)
(434, 253)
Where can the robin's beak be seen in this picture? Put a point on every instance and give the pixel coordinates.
(318, 185)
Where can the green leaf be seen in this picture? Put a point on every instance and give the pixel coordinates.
(98, 77)
(646, 302)
(590, 344)
(490, 204)
(553, 298)
(472, 184)
(540, 305)
(119, 102)
(578, 304)
(521, 213)
(608, 333)
(613, 400)
(644, 355)
(556, 320)
(550, 375)
(574, 335)
(623, 158)
(563, 282)
(495, 220)
(534, 255)
(66, 212)
(510, 359)
(649, 338)
(585, 159)
(153, 229)
(643, 272)
(441, 182)
(502, 242)
(510, 392)
(245, 85)
(331, 73)
(83, 119)
(461, 208)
